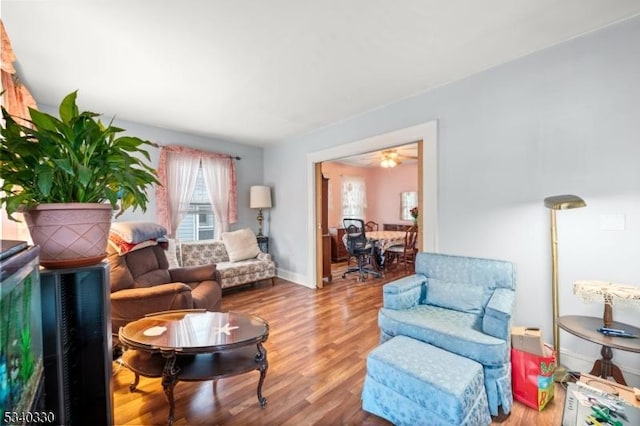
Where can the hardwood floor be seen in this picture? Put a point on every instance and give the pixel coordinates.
(317, 347)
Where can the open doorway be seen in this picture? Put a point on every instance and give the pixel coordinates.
(369, 186)
(424, 137)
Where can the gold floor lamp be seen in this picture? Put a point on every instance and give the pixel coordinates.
(558, 202)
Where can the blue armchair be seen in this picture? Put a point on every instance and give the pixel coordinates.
(462, 305)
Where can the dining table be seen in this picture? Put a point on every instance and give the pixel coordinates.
(382, 240)
(386, 239)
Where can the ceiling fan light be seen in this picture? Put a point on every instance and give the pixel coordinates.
(388, 162)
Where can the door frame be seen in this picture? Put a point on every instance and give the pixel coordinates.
(318, 215)
(425, 135)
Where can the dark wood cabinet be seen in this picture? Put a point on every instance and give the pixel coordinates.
(395, 227)
(338, 250)
(326, 238)
(76, 332)
(326, 257)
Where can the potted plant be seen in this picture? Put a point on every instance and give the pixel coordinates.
(71, 173)
(414, 214)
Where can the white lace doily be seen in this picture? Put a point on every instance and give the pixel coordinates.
(605, 291)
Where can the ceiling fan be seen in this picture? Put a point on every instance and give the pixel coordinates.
(388, 157)
(391, 158)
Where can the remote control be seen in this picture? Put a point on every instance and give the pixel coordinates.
(615, 332)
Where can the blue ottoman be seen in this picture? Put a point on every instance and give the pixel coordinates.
(409, 382)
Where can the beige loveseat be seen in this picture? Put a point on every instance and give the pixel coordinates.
(228, 274)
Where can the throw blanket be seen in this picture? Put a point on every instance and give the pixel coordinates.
(123, 247)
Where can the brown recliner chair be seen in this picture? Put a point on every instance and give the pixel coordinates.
(142, 283)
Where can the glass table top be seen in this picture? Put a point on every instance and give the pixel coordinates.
(194, 330)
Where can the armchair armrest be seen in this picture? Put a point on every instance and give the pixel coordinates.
(190, 274)
(264, 256)
(134, 303)
(405, 292)
(497, 314)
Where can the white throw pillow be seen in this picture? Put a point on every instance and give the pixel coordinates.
(240, 244)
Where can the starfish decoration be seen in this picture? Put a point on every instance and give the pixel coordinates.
(226, 329)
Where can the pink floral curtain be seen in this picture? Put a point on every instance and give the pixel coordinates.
(221, 184)
(16, 97)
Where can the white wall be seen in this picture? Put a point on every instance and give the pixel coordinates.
(564, 120)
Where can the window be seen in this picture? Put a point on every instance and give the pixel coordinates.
(199, 221)
(354, 199)
(408, 201)
(200, 184)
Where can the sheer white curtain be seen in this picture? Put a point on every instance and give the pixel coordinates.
(182, 170)
(217, 179)
(354, 197)
(177, 173)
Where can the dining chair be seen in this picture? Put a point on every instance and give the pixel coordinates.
(371, 226)
(405, 253)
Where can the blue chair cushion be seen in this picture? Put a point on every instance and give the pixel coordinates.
(488, 273)
(411, 382)
(458, 296)
(454, 331)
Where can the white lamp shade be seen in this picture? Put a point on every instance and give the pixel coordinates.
(260, 197)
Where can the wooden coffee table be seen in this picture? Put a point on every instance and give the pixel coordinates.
(195, 345)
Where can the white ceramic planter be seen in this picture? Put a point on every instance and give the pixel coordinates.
(70, 235)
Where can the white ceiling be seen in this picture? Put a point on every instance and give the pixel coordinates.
(260, 71)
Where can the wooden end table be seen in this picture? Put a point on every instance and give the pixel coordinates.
(587, 328)
(195, 345)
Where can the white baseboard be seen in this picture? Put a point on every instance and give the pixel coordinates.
(573, 361)
(293, 277)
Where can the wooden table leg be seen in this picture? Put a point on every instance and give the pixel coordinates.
(263, 365)
(136, 380)
(169, 380)
(605, 368)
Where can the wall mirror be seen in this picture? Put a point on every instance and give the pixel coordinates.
(408, 200)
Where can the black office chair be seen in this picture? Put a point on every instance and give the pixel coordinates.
(361, 248)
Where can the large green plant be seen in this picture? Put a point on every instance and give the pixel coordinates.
(72, 159)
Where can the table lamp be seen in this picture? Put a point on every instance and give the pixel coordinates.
(558, 202)
(260, 198)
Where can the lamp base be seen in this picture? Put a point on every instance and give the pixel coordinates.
(260, 218)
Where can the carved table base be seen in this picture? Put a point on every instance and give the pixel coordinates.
(605, 368)
(173, 368)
